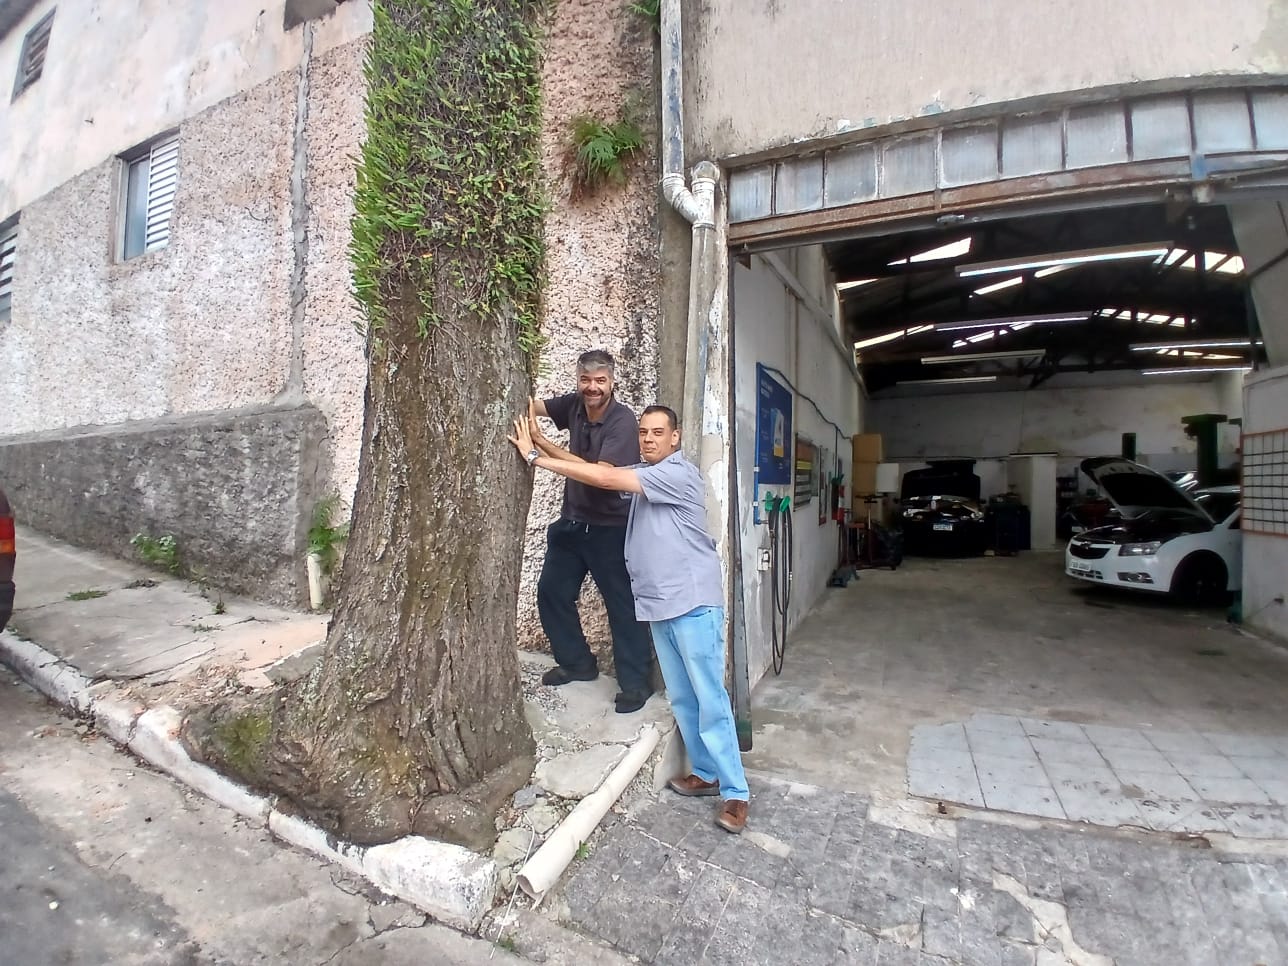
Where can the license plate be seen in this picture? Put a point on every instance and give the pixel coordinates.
(943, 526)
(1083, 571)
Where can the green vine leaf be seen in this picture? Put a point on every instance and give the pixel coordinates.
(451, 166)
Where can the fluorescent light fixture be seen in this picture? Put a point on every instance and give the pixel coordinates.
(945, 382)
(1194, 370)
(1196, 344)
(891, 336)
(1084, 257)
(1000, 323)
(951, 250)
(854, 283)
(983, 356)
(998, 286)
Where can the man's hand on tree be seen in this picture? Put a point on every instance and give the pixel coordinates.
(522, 438)
(534, 429)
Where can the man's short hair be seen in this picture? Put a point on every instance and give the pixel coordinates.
(594, 360)
(672, 420)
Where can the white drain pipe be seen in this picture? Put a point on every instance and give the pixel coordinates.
(708, 404)
(697, 205)
(543, 870)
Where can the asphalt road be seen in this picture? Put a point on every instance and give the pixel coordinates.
(108, 862)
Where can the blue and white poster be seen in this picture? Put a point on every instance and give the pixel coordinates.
(774, 456)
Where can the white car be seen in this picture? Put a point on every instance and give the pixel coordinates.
(1187, 544)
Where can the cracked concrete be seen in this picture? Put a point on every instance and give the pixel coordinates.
(1050, 924)
(667, 886)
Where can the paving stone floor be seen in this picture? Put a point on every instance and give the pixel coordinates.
(815, 881)
(1183, 781)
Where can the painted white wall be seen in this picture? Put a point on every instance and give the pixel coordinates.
(774, 327)
(1265, 557)
(1261, 227)
(1073, 423)
(764, 75)
(115, 78)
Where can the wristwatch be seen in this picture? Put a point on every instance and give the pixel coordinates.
(532, 455)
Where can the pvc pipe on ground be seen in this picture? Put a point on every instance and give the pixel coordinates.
(543, 870)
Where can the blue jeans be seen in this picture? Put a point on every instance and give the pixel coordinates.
(691, 653)
(572, 551)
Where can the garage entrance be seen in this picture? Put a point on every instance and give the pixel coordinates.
(1006, 329)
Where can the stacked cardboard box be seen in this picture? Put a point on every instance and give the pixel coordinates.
(866, 453)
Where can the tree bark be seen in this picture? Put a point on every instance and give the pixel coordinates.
(413, 720)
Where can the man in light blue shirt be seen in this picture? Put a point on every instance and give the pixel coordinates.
(678, 589)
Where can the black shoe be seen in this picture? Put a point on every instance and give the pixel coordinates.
(561, 675)
(628, 702)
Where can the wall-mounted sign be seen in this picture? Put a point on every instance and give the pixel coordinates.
(773, 430)
(805, 479)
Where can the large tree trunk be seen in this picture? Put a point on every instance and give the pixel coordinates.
(413, 721)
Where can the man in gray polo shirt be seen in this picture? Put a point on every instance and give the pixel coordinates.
(678, 588)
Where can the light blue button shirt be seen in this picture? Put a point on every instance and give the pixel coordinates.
(670, 556)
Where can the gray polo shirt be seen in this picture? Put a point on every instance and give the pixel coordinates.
(670, 556)
(614, 439)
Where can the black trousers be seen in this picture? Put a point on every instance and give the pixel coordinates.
(572, 551)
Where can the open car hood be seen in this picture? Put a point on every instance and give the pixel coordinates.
(1135, 489)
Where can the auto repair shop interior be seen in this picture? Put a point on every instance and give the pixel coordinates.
(1026, 378)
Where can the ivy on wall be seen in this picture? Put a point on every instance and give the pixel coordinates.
(468, 182)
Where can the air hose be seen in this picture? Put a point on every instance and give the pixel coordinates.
(778, 511)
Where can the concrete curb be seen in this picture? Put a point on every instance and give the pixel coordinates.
(450, 883)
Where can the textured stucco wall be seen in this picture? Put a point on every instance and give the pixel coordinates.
(334, 368)
(199, 325)
(234, 489)
(207, 324)
(118, 74)
(601, 252)
(765, 73)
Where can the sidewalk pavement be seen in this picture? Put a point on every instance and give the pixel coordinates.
(823, 877)
(131, 648)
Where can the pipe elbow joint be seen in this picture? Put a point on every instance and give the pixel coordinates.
(679, 197)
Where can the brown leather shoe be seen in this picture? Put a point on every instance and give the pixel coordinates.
(732, 816)
(693, 786)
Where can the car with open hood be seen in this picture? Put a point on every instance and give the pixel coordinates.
(1186, 543)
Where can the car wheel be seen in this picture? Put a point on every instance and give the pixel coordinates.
(1200, 579)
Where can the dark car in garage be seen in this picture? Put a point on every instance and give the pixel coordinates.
(943, 525)
(940, 512)
(8, 551)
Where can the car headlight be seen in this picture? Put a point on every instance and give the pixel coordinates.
(1147, 549)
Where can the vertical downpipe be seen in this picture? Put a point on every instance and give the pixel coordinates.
(293, 391)
(708, 379)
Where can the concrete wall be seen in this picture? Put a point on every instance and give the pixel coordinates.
(247, 308)
(115, 77)
(775, 327)
(1072, 423)
(1265, 557)
(202, 324)
(234, 489)
(766, 73)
